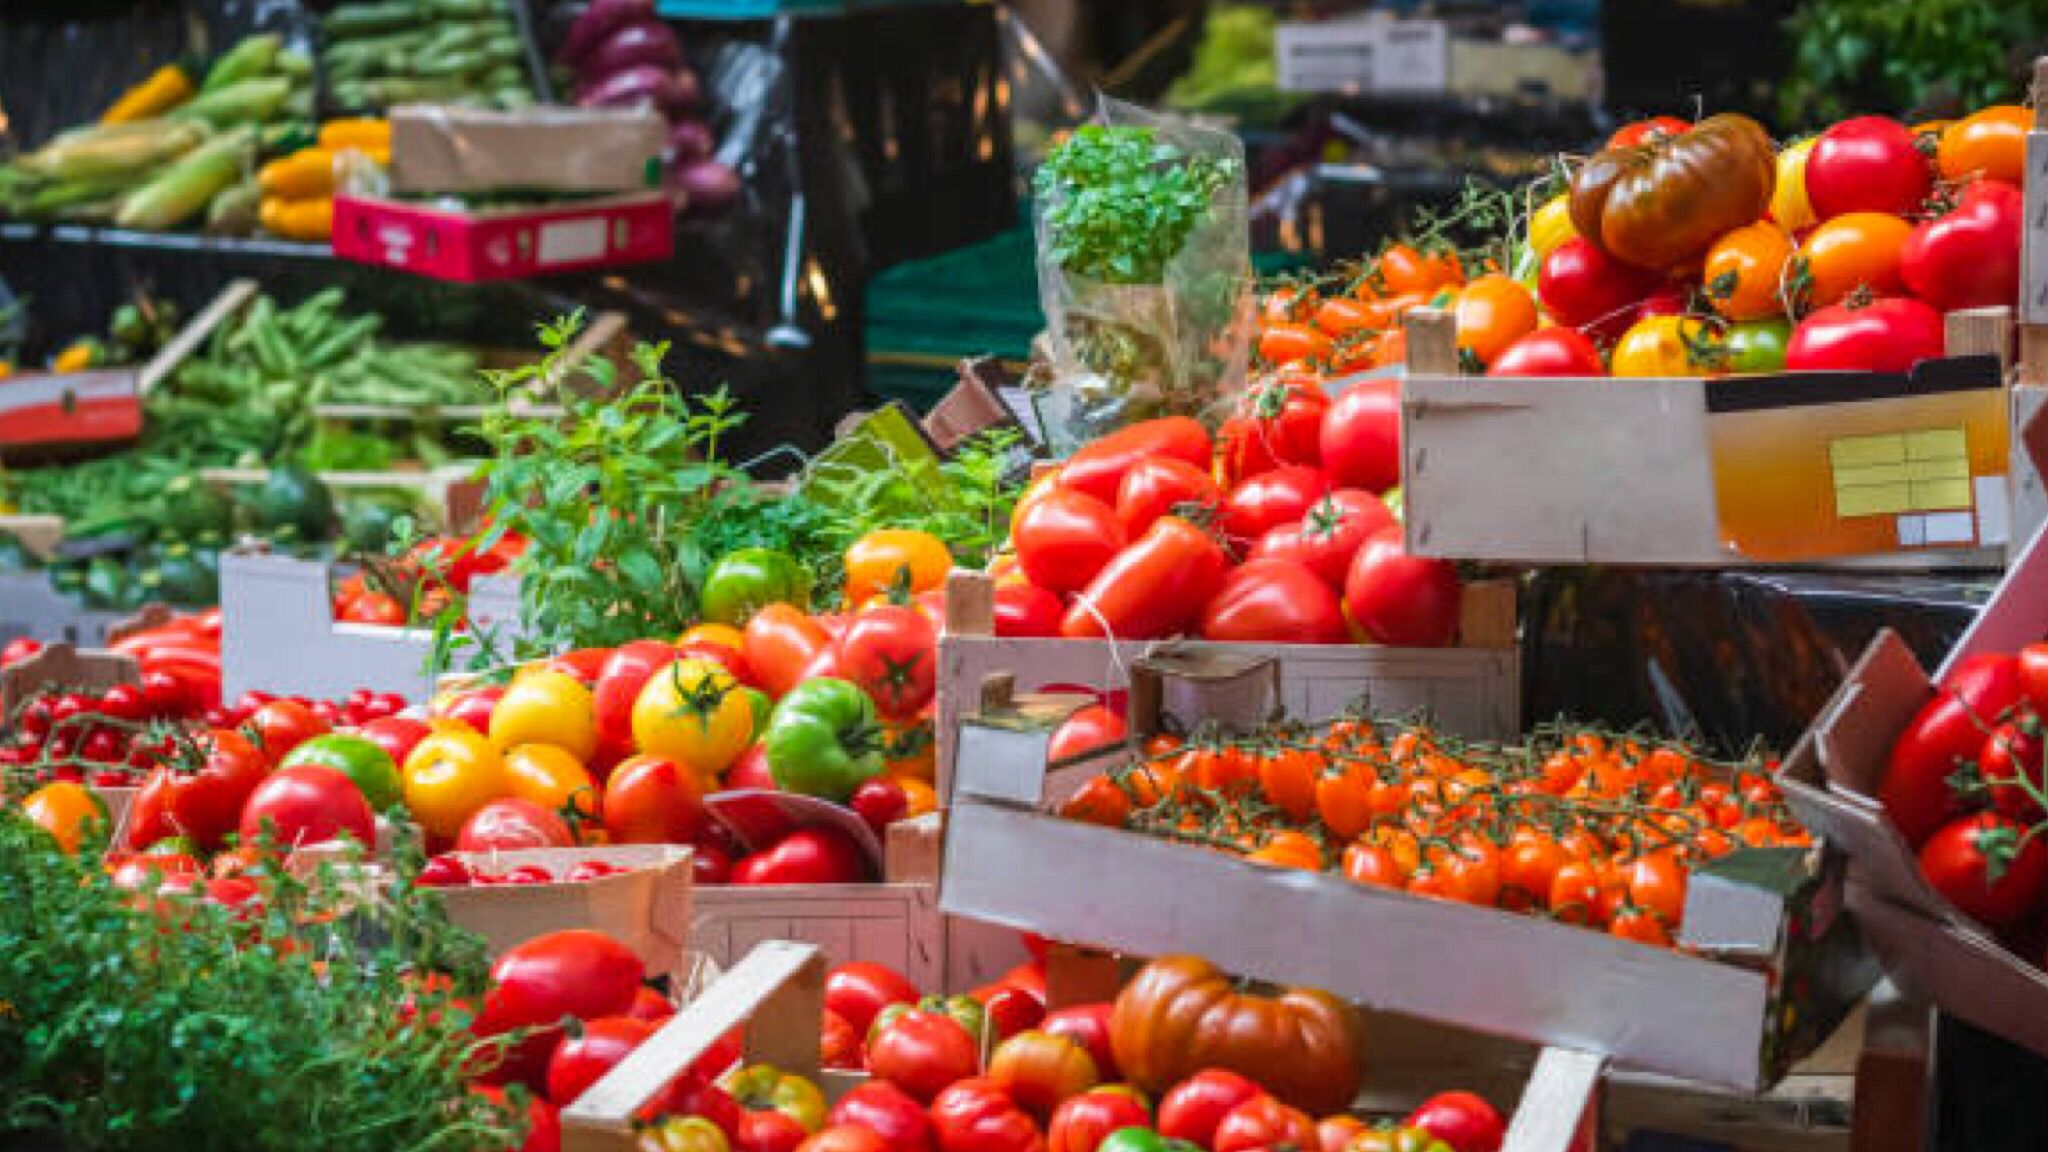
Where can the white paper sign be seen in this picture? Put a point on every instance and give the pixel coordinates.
(1364, 56)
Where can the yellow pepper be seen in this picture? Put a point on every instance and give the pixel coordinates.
(365, 133)
(165, 89)
(303, 175)
(309, 219)
(77, 357)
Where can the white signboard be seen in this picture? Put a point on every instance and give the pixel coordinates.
(1369, 55)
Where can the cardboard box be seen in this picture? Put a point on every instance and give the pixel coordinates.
(1876, 471)
(30, 606)
(1929, 947)
(1473, 690)
(278, 633)
(473, 246)
(647, 907)
(44, 413)
(437, 149)
(1769, 971)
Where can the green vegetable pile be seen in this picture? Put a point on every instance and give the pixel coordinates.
(391, 52)
(1121, 203)
(132, 1023)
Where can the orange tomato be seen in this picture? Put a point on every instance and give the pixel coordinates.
(1402, 269)
(1287, 778)
(1636, 924)
(1290, 849)
(1099, 801)
(1225, 771)
(723, 635)
(1991, 143)
(920, 795)
(1744, 270)
(1656, 884)
(1341, 316)
(1344, 800)
(1365, 863)
(552, 778)
(66, 810)
(1493, 312)
(1574, 892)
(886, 557)
(1851, 251)
(909, 749)
(1528, 869)
(1286, 343)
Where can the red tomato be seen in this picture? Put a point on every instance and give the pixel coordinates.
(1153, 589)
(654, 1008)
(1027, 610)
(838, 1046)
(543, 1126)
(1886, 335)
(879, 802)
(1278, 496)
(1194, 1108)
(18, 649)
(1978, 863)
(1285, 416)
(1867, 164)
(283, 725)
(818, 855)
(751, 770)
(308, 804)
(619, 681)
(860, 989)
(1361, 437)
(1098, 469)
(2033, 669)
(979, 1115)
(2011, 762)
(1970, 257)
(710, 864)
(1402, 600)
(582, 1060)
(1462, 1120)
(1975, 697)
(653, 800)
(1064, 537)
(1549, 352)
(577, 973)
(474, 707)
(512, 823)
(846, 1138)
(892, 652)
(769, 1131)
(889, 1112)
(1274, 602)
(1087, 730)
(1155, 488)
(1012, 1010)
(1647, 131)
(1085, 1121)
(781, 642)
(396, 735)
(922, 1052)
(1087, 1025)
(725, 656)
(1585, 289)
(1329, 535)
(584, 664)
(1264, 1124)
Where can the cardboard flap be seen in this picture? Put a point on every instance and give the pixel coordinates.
(998, 761)
(1236, 691)
(1960, 970)
(443, 148)
(1854, 734)
(1557, 1103)
(778, 991)
(65, 666)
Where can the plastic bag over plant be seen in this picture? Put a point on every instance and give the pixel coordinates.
(1144, 269)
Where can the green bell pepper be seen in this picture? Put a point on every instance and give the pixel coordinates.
(748, 580)
(823, 740)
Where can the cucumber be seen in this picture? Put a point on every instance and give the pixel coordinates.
(351, 21)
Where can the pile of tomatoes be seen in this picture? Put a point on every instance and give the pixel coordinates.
(1703, 248)
(1583, 826)
(1273, 531)
(1965, 786)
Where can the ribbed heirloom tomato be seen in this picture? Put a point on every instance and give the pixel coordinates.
(1660, 204)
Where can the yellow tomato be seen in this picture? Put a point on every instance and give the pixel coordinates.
(922, 796)
(66, 810)
(694, 713)
(448, 776)
(552, 778)
(723, 635)
(1551, 225)
(1789, 206)
(878, 561)
(1656, 346)
(546, 707)
(910, 749)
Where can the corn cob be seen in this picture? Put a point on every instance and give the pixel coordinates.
(246, 102)
(247, 60)
(183, 190)
(132, 149)
(166, 88)
(233, 212)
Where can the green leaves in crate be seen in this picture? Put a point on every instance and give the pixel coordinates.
(1121, 203)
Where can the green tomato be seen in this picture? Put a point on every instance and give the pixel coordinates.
(746, 581)
(1758, 345)
(1143, 1140)
(358, 758)
(823, 740)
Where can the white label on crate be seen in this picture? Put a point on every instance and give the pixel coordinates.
(570, 241)
(1994, 516)
(2034, 238)
(1368, 55)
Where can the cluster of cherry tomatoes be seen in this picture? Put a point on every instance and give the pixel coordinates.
(108, 738)
(1704, 248)
(1583, 826)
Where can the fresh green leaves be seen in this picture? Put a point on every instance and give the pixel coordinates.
(1927, 58)
(295, 1021)
(1120, 204)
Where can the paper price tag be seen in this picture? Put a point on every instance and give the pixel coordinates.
(1383, 56)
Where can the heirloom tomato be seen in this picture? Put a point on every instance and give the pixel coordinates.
(1661, 203)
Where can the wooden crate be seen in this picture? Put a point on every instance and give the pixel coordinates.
(778, 991)
(1473, 689)
(1622, 471)
(647, 906)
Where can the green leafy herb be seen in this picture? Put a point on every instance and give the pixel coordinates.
(1121, 203)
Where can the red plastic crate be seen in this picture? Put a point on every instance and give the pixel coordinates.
(504, 245)
(39, 409)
